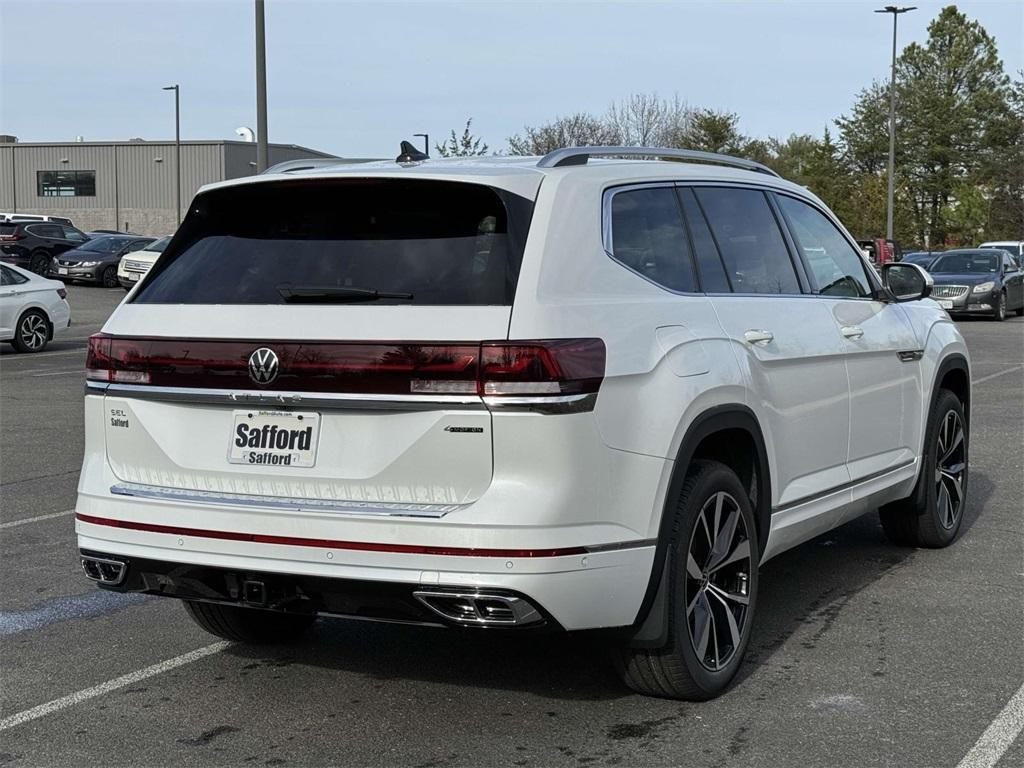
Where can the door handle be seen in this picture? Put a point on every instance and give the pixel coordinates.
(852, 331)
(758, 336)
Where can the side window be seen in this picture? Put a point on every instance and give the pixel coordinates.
(137, 245)
(749, 239)
(50, 231)
(835, 267)
(70, 233)
(5, 276)
(709, 264)
(647, 236)
(10, 277)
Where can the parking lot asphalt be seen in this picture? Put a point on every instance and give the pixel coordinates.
(863, 654)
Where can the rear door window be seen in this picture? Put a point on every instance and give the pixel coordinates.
(749, 239)
(442, 243)
(709, 263)
(648, 237)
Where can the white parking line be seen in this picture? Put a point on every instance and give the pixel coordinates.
(27, 520)
(111, 685)
(79, 371)
(994, 375)
(998, 737)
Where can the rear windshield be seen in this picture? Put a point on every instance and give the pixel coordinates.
(440, 242)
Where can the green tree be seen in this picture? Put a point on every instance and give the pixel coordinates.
(466, 145)
(953, 95)
(864, 135)
(713, 131)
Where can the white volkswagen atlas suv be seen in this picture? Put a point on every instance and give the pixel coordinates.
(590, 390)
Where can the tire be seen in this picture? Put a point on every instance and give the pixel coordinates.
(248, 625)
(32, 333)
(39, 262)
(701, 598)
(928, 517)
(109, 278)
(999, 312)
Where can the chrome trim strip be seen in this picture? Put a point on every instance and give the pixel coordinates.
(378, 508)
(622, 545)
(842, 487)
(541, 403)
(321, 400)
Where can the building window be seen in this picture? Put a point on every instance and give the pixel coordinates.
(66, 183)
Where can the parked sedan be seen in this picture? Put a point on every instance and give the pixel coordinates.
(974, 281)
(921, 258)
(96, 261)
(32, 309)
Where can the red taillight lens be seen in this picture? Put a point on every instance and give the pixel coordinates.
(494, 368)
(11, 238)
(62, 293)
(557, 367)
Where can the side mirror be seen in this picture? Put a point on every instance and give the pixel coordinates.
(907, 282)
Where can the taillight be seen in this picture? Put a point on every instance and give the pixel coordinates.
(11, 238)
(62, 293)
(549, 368)
(557, 367)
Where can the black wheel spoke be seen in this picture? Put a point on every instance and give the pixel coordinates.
(722, 595)
(734, 631)
(740, 552)
(702, 625)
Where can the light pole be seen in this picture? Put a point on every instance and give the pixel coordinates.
(895, 11)
(426, 142)
(262, 152)
(177, 148)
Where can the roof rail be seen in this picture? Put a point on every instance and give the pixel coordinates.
(305, 164)
(560, 158)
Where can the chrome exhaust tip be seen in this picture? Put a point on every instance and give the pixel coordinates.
(480, 609)
(104, 570)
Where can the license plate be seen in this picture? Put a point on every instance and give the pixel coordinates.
(945, 303)
(132, 277)
(62, 270)
(274, 438)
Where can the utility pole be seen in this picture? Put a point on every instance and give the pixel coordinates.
(177, 148)
(262, 152)
(895, 11)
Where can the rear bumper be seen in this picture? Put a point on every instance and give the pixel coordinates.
(299, 594)
(581, 591)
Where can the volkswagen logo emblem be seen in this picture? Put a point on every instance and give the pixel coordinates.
(263, 365)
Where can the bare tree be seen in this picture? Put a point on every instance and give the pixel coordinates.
(578, 130)
(644, 120)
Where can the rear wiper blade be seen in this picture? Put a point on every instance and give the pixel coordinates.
(329, 294)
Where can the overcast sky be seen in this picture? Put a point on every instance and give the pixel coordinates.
(355, 78)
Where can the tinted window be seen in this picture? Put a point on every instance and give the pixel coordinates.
(648, 236)
(712, 272)
(105, 244)
(966, 262)
(45, 230)
(159, 245)
(749, 240)
(70, 233)
(442, 242)
(10, 277)
(836, 268)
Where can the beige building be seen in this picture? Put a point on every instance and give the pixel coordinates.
(123, 185)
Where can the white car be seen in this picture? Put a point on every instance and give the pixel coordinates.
(32, 309)
(137, 263)
(1014, 247)
(566, 392)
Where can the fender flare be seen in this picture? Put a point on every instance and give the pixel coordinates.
(651, 624)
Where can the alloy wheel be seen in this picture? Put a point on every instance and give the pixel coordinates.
(718, 568)
(951, 467)
(33, 332)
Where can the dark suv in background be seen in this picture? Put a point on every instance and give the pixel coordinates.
(34, 245)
